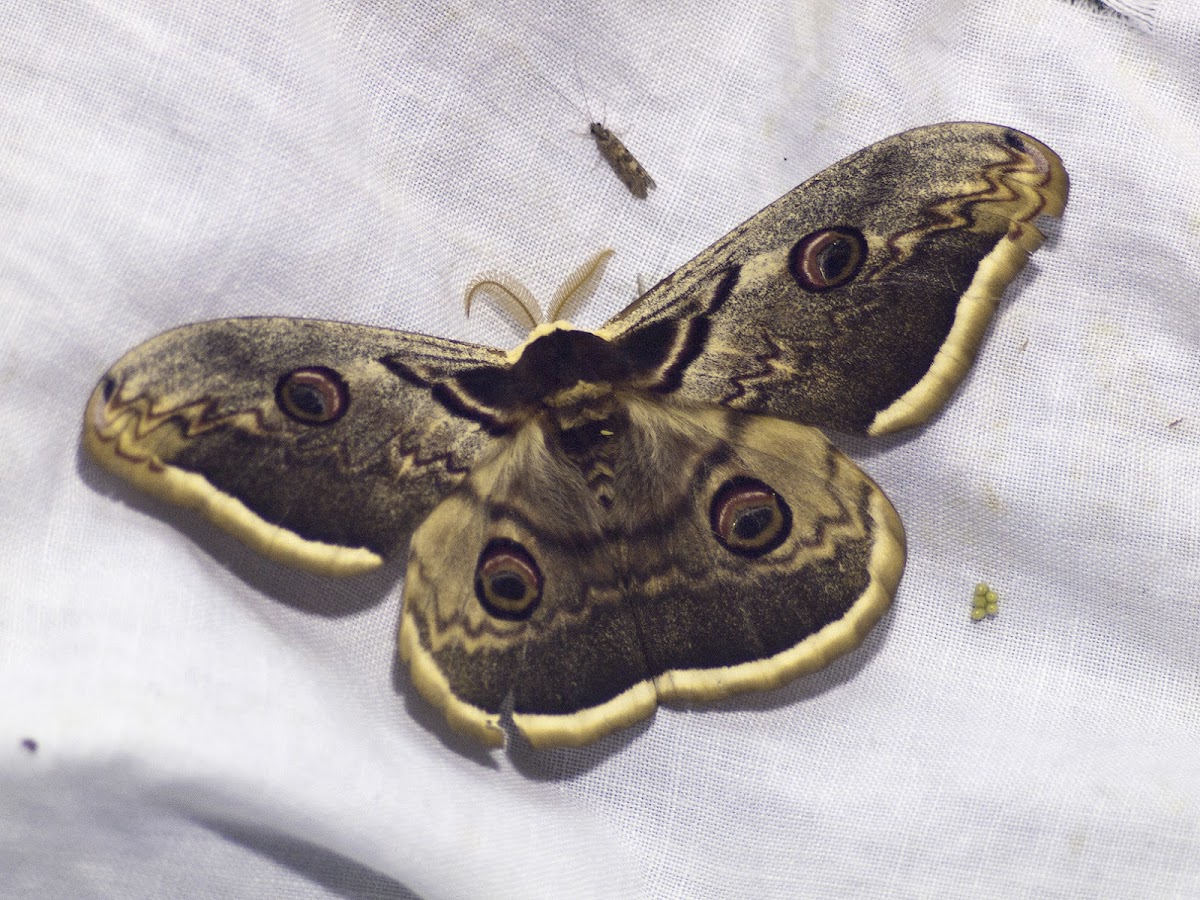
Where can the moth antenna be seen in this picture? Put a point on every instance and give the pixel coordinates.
(587, 103)
(508, 294)
(563, 96)
(579, 284)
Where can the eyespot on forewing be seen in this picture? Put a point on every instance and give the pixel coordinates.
(313, 395)
(827, 258)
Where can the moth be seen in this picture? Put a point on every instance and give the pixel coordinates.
(621, 161)
(612, 150)
(598, 522)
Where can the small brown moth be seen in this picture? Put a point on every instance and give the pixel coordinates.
(624, 164)
(631, 172)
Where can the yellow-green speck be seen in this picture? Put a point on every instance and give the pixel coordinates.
(986, 602)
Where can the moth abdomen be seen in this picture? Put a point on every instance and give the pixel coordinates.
(590, 438)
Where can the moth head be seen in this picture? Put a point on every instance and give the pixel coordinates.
(827, 258)
(748, 518)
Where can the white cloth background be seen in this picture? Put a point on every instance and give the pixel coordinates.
(211, 724)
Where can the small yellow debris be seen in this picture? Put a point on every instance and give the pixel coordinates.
(986, 602)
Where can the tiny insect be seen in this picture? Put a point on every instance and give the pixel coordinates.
(29, 745)
(612, 149)
(631, 172)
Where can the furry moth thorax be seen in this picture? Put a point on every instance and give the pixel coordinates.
(598, 522)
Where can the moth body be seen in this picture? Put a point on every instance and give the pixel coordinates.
(623, 163)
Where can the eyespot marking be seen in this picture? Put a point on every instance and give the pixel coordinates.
(827, 258)
(748, 517)
(313, 395)
(508, 582)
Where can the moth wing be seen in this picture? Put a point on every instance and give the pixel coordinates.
(560, 641)
(644, 601)
(857, 300)
(199, 417)
(782, 556)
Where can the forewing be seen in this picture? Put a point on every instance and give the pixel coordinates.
(857, 300)
(321, 444)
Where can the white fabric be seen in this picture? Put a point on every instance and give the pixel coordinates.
(210, 724)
